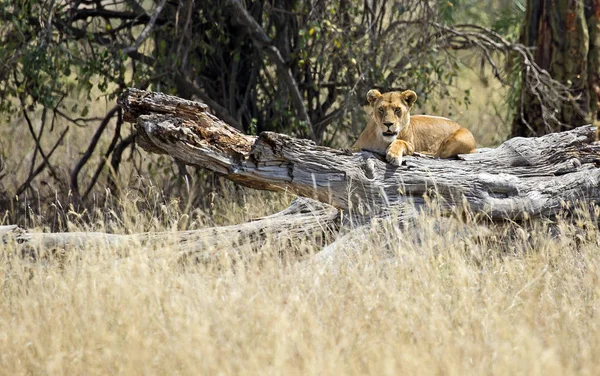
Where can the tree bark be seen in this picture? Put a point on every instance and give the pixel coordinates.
(522, 178)
(564, 36)
(593, 21)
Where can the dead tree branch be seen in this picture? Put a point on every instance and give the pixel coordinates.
(90, 150)
(43, 165)
(111, 148)
(550, 93)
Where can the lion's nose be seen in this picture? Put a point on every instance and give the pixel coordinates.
(388, 123)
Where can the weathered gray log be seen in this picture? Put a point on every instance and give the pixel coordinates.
(13, 234)
(524, 177)
(304, 219)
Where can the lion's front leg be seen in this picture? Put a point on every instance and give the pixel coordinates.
(396, 150)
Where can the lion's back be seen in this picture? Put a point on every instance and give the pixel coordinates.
(429, 131)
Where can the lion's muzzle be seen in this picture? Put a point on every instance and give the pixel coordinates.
(389, 132)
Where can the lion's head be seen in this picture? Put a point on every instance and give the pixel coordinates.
(391, 111)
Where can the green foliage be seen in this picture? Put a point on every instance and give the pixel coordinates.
(448, 10)
(47, 59)
(503, 17)
(509, 19)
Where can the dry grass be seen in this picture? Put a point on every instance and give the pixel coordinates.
(436, 302)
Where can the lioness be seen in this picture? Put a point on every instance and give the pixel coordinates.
(391, 130)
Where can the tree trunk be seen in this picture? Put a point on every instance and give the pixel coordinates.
(522, 178)
(593, 21)
(565, 39)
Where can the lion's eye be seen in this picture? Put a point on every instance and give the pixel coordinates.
(398, 110)
(381, 110)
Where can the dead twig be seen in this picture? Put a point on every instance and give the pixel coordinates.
(110, 149)
(90, 150)
(41, 167)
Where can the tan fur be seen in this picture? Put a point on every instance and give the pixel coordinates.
(393, 131)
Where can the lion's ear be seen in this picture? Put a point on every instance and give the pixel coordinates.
(373, 95)
(410, 97)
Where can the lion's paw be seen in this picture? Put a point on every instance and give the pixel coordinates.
(349, 151)
(395, 159)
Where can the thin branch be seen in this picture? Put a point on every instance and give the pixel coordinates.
(110, 149)
(90, 150)
(2, 163)
(77, 121)
(146, 32)
(115, 160)
(549, 93)
(41, 167)
(82, 14)
(37, 141)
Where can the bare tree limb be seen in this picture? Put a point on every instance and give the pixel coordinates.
(110, 149)
(42, 166)
(146, 32)
(38, 146)
(90, 150)
(550, 93)
(115, 161)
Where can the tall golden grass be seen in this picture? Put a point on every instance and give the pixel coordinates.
(426, 299)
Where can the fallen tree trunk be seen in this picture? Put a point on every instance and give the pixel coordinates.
(304, 221)
(524, 177)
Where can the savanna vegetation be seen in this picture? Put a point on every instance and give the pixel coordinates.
(439, 296)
